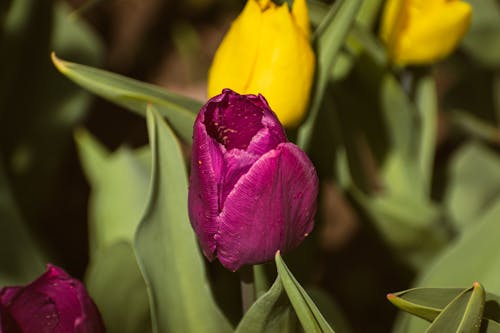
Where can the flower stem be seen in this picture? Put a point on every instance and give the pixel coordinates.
(247, 287)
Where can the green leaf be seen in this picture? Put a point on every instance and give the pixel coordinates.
(330, 310)
(271, 313)
(119, 183)
(474, 183)
(115, 283)
(329, 38)
(134, 95)
(475, 256)
(482, 41)
(462, 314)
(166, 248)
(309, 316)
(427, 303)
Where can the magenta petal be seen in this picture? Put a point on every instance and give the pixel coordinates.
(233, 129)
(203, 201)
(270, 208)
(53, 303)
(236, 163)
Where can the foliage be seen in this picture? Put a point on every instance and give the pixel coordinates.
(412, 151)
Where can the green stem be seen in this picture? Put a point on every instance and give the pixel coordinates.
(247, 287)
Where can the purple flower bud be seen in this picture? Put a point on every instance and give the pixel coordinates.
(251, 191)
(53, 303)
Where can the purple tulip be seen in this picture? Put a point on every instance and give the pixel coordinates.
(251, 191)
(53, 303)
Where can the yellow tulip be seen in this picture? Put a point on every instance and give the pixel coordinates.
(418, 32)
(267, 51)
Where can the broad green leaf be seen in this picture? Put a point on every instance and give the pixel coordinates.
(329, 38)
(482, 41)
(309, 316)
(475, 256)
(134, 95)
(115, 283)
(21, 260)
(474, 183)
(119, 183)
(462, 314)
(427, 303)
(166, 248)
(272, 312)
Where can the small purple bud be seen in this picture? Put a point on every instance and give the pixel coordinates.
(53, 303)
(251, 191)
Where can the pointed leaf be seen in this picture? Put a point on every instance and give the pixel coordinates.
(311, 319)
(134, 95)
(166, 248)
(462, 314)
(475, 255)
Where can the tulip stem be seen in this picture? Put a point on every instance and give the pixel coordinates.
(247, 287)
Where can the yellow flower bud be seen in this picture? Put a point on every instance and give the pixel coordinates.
(267, 51)
(418, 32)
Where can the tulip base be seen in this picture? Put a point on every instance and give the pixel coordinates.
(247, 287)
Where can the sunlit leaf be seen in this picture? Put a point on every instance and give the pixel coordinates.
(134, 95)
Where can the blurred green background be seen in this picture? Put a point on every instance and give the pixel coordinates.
(359, 247)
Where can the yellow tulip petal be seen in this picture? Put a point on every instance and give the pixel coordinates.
(423, 31)
(301, 16)
(266, 51)
(234, 60)
(285, 66)
(392, 20)
(435, 35)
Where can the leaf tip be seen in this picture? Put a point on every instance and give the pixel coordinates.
(57, 62)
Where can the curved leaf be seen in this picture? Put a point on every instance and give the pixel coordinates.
(166, 248)
(134, 95)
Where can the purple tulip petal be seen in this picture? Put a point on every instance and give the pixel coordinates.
(270, 208)
(203, 201)
(251, 193)
(236, 163)
(233, 129)
(53, 303)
